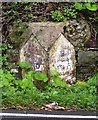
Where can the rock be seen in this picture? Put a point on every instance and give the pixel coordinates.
(42, 37)
(35, 54)
(62, 59)
(77, 32)
(46, 33)
(86, 58)
(47, 46)
(86, 64)
(52, 106)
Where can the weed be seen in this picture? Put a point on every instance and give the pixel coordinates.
(25, 65)
(57, 15)
(73, 11)
(23, 92)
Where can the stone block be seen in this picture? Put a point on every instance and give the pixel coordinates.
(62, 59)
(35, 54)
(77, 31)
(47, 32)
(86, 58)
(48, 49)
(87, 64)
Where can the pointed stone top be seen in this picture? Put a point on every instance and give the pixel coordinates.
(46, 33)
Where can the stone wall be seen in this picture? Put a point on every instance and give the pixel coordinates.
(87, 63)
(60, 46)
(78, 33)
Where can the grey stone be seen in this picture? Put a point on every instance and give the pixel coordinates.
(77, 32)
(86, 64)
(87, 57)
(47, 33)
(35, 54)
(62, 59)
(45, 46)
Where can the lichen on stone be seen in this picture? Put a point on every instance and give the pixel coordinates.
(77, 32)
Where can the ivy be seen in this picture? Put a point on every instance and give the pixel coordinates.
(73, 11)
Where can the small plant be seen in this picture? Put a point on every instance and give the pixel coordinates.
(14, 5)
(25, 65)
(41, 76)
(70, 13)
(27, 9)
(54, 73)
(93, 80)
(73, 11)
(91, 7)
(79, 6)
(28, 16)
(56, 80)
(57, 15)
(4, 56)
(82, 83)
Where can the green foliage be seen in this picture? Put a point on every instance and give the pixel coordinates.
(25, 65)
(70, 13)
(6, 78)
(73, 11)
(27, 9)
(56, 80)
(79, 6)
(24, 93)
(57, 15)
(27, 16)
(19, 28)
(41, 76)
(20, 25)
(66, 14)
(4, 46)
(4, 56)
(29, 75)
(14, 13)
(93, 84)
(91, 7)
(54, 73)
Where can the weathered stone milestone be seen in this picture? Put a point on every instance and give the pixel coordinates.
(48, 49)
(62, 58)
(52, 46)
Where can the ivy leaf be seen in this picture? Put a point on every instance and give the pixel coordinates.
(29, 75)
(54, 73)
(41, 76)
(92, 7)
(5, 82)
(25, 65)
(26, 83)
(79, 6)
(57, 82)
